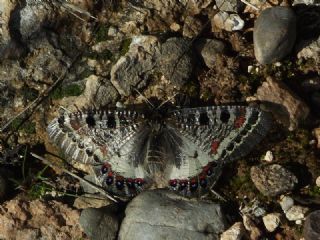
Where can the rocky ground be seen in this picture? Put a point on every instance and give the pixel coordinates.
(88, 53)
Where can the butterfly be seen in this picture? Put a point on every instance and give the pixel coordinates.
(183, 149)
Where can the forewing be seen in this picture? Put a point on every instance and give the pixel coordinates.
(113, 142)
(209, 138)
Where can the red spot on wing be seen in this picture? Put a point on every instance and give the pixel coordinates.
(75, 124)
(173, 182)
(104, 150)
(239, 121)
(214, 146)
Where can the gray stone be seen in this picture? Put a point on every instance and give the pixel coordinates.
(176, 61)
(136, 67)
(30, 19)
(162, 214)
(272, 180)
(101, 223)
(274, 34)
(208, 48)
(229, 6)
(286, 203)
(288, 108)
(311, 229)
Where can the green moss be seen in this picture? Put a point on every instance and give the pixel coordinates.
(66, 91)
(101, 33)
(124, 47)
(314, 191)
(29, 94)
(191, 89)
(27, 127)
(38, 190)
(85, 73)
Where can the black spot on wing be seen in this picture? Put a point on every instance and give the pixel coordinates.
(224, 116)
(203, 119)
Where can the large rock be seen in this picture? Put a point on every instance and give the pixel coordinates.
(176, 61)
(162, 214)
(135, 68)
(272, 180)
(274, 34)
(100, 224)
(288, 108)
(311, 229)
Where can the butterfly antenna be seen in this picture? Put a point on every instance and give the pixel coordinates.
(168, 100)
(144, 98)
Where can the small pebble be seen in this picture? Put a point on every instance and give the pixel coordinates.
(296, 212)
(268, 157)
(286, 203)
(271, 221)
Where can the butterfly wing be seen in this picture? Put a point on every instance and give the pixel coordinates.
(115, 143)
(206, 138)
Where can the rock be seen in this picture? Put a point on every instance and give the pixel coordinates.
(6, 7)
(274, 34)
(311, 228)
(268, 157)
(161, 214)
(195, 7)
(208, 48)
(90, 201)
(192, 27)
(286, 203)
(226, 21)
(253, 208)
(176, 61)
(316, 133)
(306, 2)
(100, 92)
(38, 219)
(235, 232)
(32, 17)
(296, 212)
(255, 232)
(101, 223)
(310, 50)
(229, 6)
(288, 108)
(135, 68)
(272, 180)
(271, 221)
